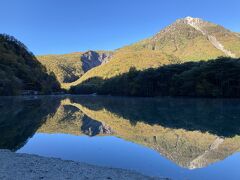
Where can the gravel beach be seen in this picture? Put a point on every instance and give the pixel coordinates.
(16, 166)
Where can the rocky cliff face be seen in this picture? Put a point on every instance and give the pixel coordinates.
(93, 59)
(70, 67)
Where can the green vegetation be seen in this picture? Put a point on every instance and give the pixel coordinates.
(181, 130)
(188, 43)
(177, 43)
(122, 61)
(20, 70)
(188, 39)
(180, 40)
(66, 67)
(214, 78)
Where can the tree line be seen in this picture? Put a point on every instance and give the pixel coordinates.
(214, 78)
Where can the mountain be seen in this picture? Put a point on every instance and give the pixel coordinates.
(20, 71)
(193, 39)
(187, 39)
(70, 67)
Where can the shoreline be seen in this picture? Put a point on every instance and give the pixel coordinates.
(18, 166)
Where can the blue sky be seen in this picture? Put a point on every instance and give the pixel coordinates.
(63, 26)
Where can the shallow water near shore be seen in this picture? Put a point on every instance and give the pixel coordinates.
(167, 137)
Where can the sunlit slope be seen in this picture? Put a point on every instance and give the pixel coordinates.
(66, 67)
(188, 39)
(69, 68)
(123, 60)
(193, 39)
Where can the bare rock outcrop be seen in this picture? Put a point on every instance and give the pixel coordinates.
(91, 59)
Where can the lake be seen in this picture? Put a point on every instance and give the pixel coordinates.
(178, 138)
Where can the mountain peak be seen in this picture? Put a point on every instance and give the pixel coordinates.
(189, 18)
(187, 32)
(191, 21)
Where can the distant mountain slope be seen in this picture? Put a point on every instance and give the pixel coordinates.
(67, 67)
(193, 39)
(122, 61)
(20, 70)
(188, 39)
(70, 67)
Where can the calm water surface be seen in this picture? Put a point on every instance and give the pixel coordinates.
(186, 139)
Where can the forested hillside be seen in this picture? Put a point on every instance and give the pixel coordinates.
(213, 78)
(20, 70)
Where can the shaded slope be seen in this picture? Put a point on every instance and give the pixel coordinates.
(20, 70)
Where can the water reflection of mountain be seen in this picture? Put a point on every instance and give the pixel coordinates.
(69, 119)
(205, 131)
(185, 131)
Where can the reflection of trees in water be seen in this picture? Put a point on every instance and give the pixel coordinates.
(186, 146)
(69, 119)
(165, 125)
(21, 117)
(220, 117)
